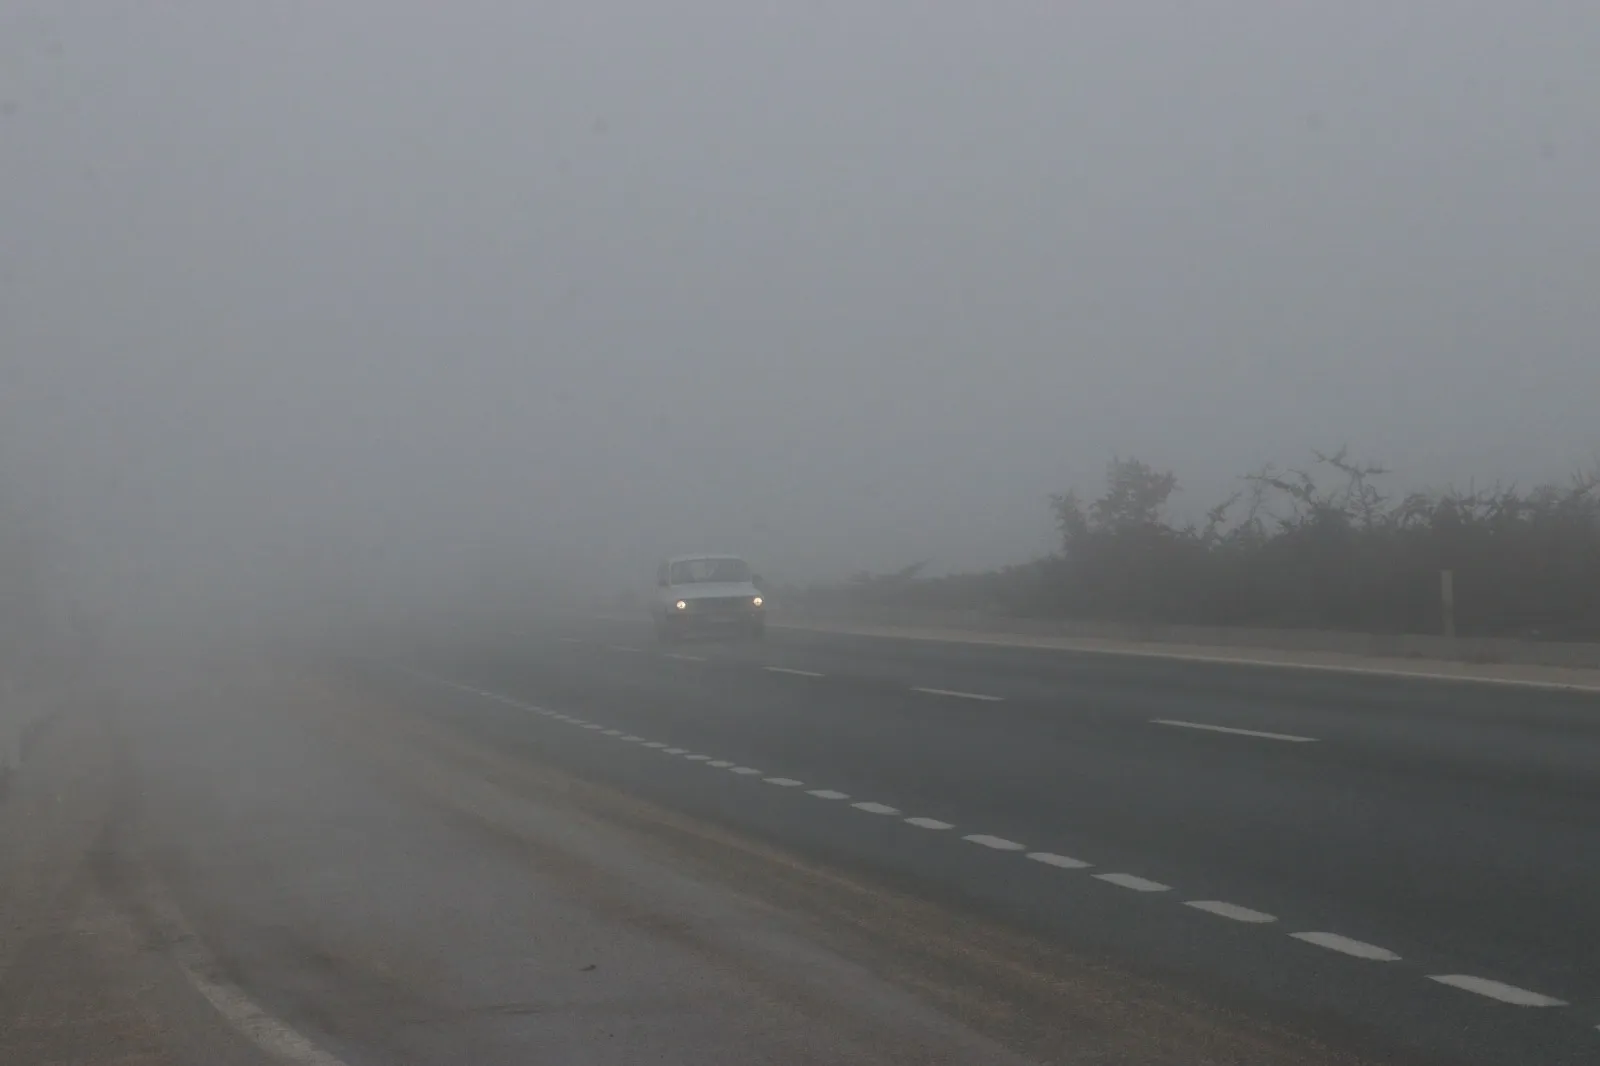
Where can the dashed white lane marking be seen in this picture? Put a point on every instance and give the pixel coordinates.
(612, 733)
(744, 770)
(571, 640)
(674, 751)
(593, 725)
(633, 738)
(1290, 737)
(958, 695)
(1229, 910)
(1519, 997)
(622, 647)
(1064, 862)
(244, 1013)
(1359, 949)
(1137, 884)
(686, 658)
(790, 670)
(929, 823)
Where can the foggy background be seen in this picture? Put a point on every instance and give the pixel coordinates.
(302, 302)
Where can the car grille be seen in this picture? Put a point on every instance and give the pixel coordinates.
(721, 604)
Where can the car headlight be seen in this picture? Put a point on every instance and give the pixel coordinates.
(756, 602)
(683, 605)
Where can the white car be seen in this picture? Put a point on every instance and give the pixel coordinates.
(707, 594)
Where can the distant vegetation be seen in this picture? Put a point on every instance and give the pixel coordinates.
(1322, 547)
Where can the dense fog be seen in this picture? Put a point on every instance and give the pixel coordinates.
(309, 305)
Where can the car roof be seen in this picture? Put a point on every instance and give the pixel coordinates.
(696, 558)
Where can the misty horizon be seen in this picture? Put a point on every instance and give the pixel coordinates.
(339, 297)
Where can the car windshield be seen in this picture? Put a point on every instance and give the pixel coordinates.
(692, 571)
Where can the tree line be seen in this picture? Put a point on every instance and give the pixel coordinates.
(1322, 546)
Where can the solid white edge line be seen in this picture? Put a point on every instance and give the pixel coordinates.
(828, 794)
(997, 843)
(1063, 862)
(1229, 910)
(875, 808)
(1518, 997)
(958, 695)
(929, 823)
(790, 670)
(1130, 881)
(1216, 660)
(1357, 948)
(1290, 737)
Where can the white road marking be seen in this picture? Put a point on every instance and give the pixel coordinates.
(674, 751)
(1519, 997)
(622, 647)
(790, 670)
(1290, 737)
(1229, 910)
(275, 1037)
(200, 968)
(261, 1028)
(612, 733)
(958, 695)
(1359, 949)
(686, 658)
(1137, 884)
(632, 738)
(1050, 858)
(567, 640)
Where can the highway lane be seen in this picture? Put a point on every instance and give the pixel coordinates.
(1456, 827)
(261, 865)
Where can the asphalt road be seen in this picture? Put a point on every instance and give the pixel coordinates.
(568, 844)
(1407, 870)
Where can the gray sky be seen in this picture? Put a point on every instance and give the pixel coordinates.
(838, 285)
